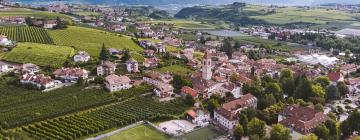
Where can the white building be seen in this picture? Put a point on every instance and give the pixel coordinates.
(315, 59)
(4, 41)
(4, 67)
(106, 68)
(132, 65)
(198, 116)
(71, 74)
(40, 81)
(30, 68)
(82, 56)
(163, 90)
(49, 24)
(206, 66)
(116, 83)
(226, 116)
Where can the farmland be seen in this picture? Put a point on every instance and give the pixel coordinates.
(139, 133)
(186, 24)
(40, 54)
(91, 40)
(31, 13)
(116, 115)
(26, 34)
(176, 69)
(20, 106)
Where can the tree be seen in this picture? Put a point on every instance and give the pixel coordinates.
(189, 100)
(343, 89)
(286, 74)
(323, 81)
(288, 86)
(104, 54)
(318, 91)
(333, 130)
(179, 82)
(351, 124)
(332, 93)
(304, 89)
(319, 107)
(126, 56)
(257, 127)
(212, 104)
(309, 137)
(243, 121)
(322, 132)
(274, 89)
(279, 132)
(238, 132)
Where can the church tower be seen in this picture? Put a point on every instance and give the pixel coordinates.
(206, 68)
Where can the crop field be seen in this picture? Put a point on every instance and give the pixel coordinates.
(87, 123)
(142, 132)
(91, 40)
(31, 13)
(40, 54)
(20, 106)
(26, 34)
(317, 16)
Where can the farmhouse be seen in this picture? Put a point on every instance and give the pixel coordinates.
(39, 80)
(106, 68)
(132, 65)
(71, 74)
(301, 119)
(226, 116)
(82, 56)
(116, 83)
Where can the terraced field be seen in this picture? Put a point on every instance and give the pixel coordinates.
(91, 40)
(26, 34)
(40, 54)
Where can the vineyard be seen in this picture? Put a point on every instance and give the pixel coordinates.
(20, 106)
(40, 54)
(91, 40)
(120, 114)
(26, 34)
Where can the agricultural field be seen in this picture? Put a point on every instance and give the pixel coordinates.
(176, 69)
(19, 106)
(40, 54)
(137, 56)
(185, 24)
(87, 13)
(91, 40)
(32, 13)
(274, 44)
(142, 132)
(317, 16)
(26, 34)
(94, 121)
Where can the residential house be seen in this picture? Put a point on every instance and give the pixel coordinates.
(116, 83)
(354, 85)
(117, 27)
(151, 62)
(4, 67)
(200, 117)
(132, 65)
(4, 41)
(146, 43)
(58, 8)
(160, 48)
(188, 53)
(226, 116)
(30, 68)
(189, 91)
(40, 81)
(114, 51)
(163, 88)
(82, 56)
(172, 41)
(301, 119)
(149, 53)
(71, 74)
(335, 76)
(213, 44)
(106, 68)
(49, 24)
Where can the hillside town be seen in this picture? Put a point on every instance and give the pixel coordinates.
(240, 89)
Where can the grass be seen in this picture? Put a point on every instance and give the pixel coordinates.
(91, 40)
(272, 43)
(142, 132)
(87, 13)
(317, 16)
(176, 69)
(205, 133)
(185, 24)
(137, 56)
(40, 54)
(32, 13)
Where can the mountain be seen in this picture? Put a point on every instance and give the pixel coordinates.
(201, 2)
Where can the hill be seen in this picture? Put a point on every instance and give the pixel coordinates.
(26, 34)
(91, 40)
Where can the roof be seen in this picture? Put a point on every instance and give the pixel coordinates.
(115, 79)
(76, 72)
(191, 113)
(243, 101)
(334, 76)
(108, 64)
(207, 55)
(131, 61)
(190, 91)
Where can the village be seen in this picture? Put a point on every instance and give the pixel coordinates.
(224, 80)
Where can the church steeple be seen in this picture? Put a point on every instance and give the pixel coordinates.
(206, 66)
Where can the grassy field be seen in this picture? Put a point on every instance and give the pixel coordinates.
(185, 24)
(87, 13)
(206, 133)
(91, 40)
(137, 56)
(274, 44)
(40, 54)
(142, 132)
(317, 16)
(31, 13)
(176, 69)
(26, 34)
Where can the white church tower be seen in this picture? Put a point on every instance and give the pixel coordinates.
(206, 68)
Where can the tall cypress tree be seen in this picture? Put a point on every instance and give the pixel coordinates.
(104, 54)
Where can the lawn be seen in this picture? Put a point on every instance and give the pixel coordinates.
(40, 54)
(91, 40)
(206, 133)
(32, 13)
(142, 132)
(317, 16)
(176, 69)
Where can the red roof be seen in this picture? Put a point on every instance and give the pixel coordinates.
(192, 113)
(190, 91)
(334, 76)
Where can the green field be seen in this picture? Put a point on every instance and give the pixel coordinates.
(176, 69)
(31, 13)
(272, 43)
(20, 106)
(137, 56)
(26, 34)
(185, 24)
(142, 132)
(206, 133)
(91, 40)
(40, 54)
(87, 13)
(317, 16)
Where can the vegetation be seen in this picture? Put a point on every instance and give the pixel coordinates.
(40, 54)
(26, 34)
(139, 133)
(120, 114)
(91, 40)
(32, 13)
(176, 69)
